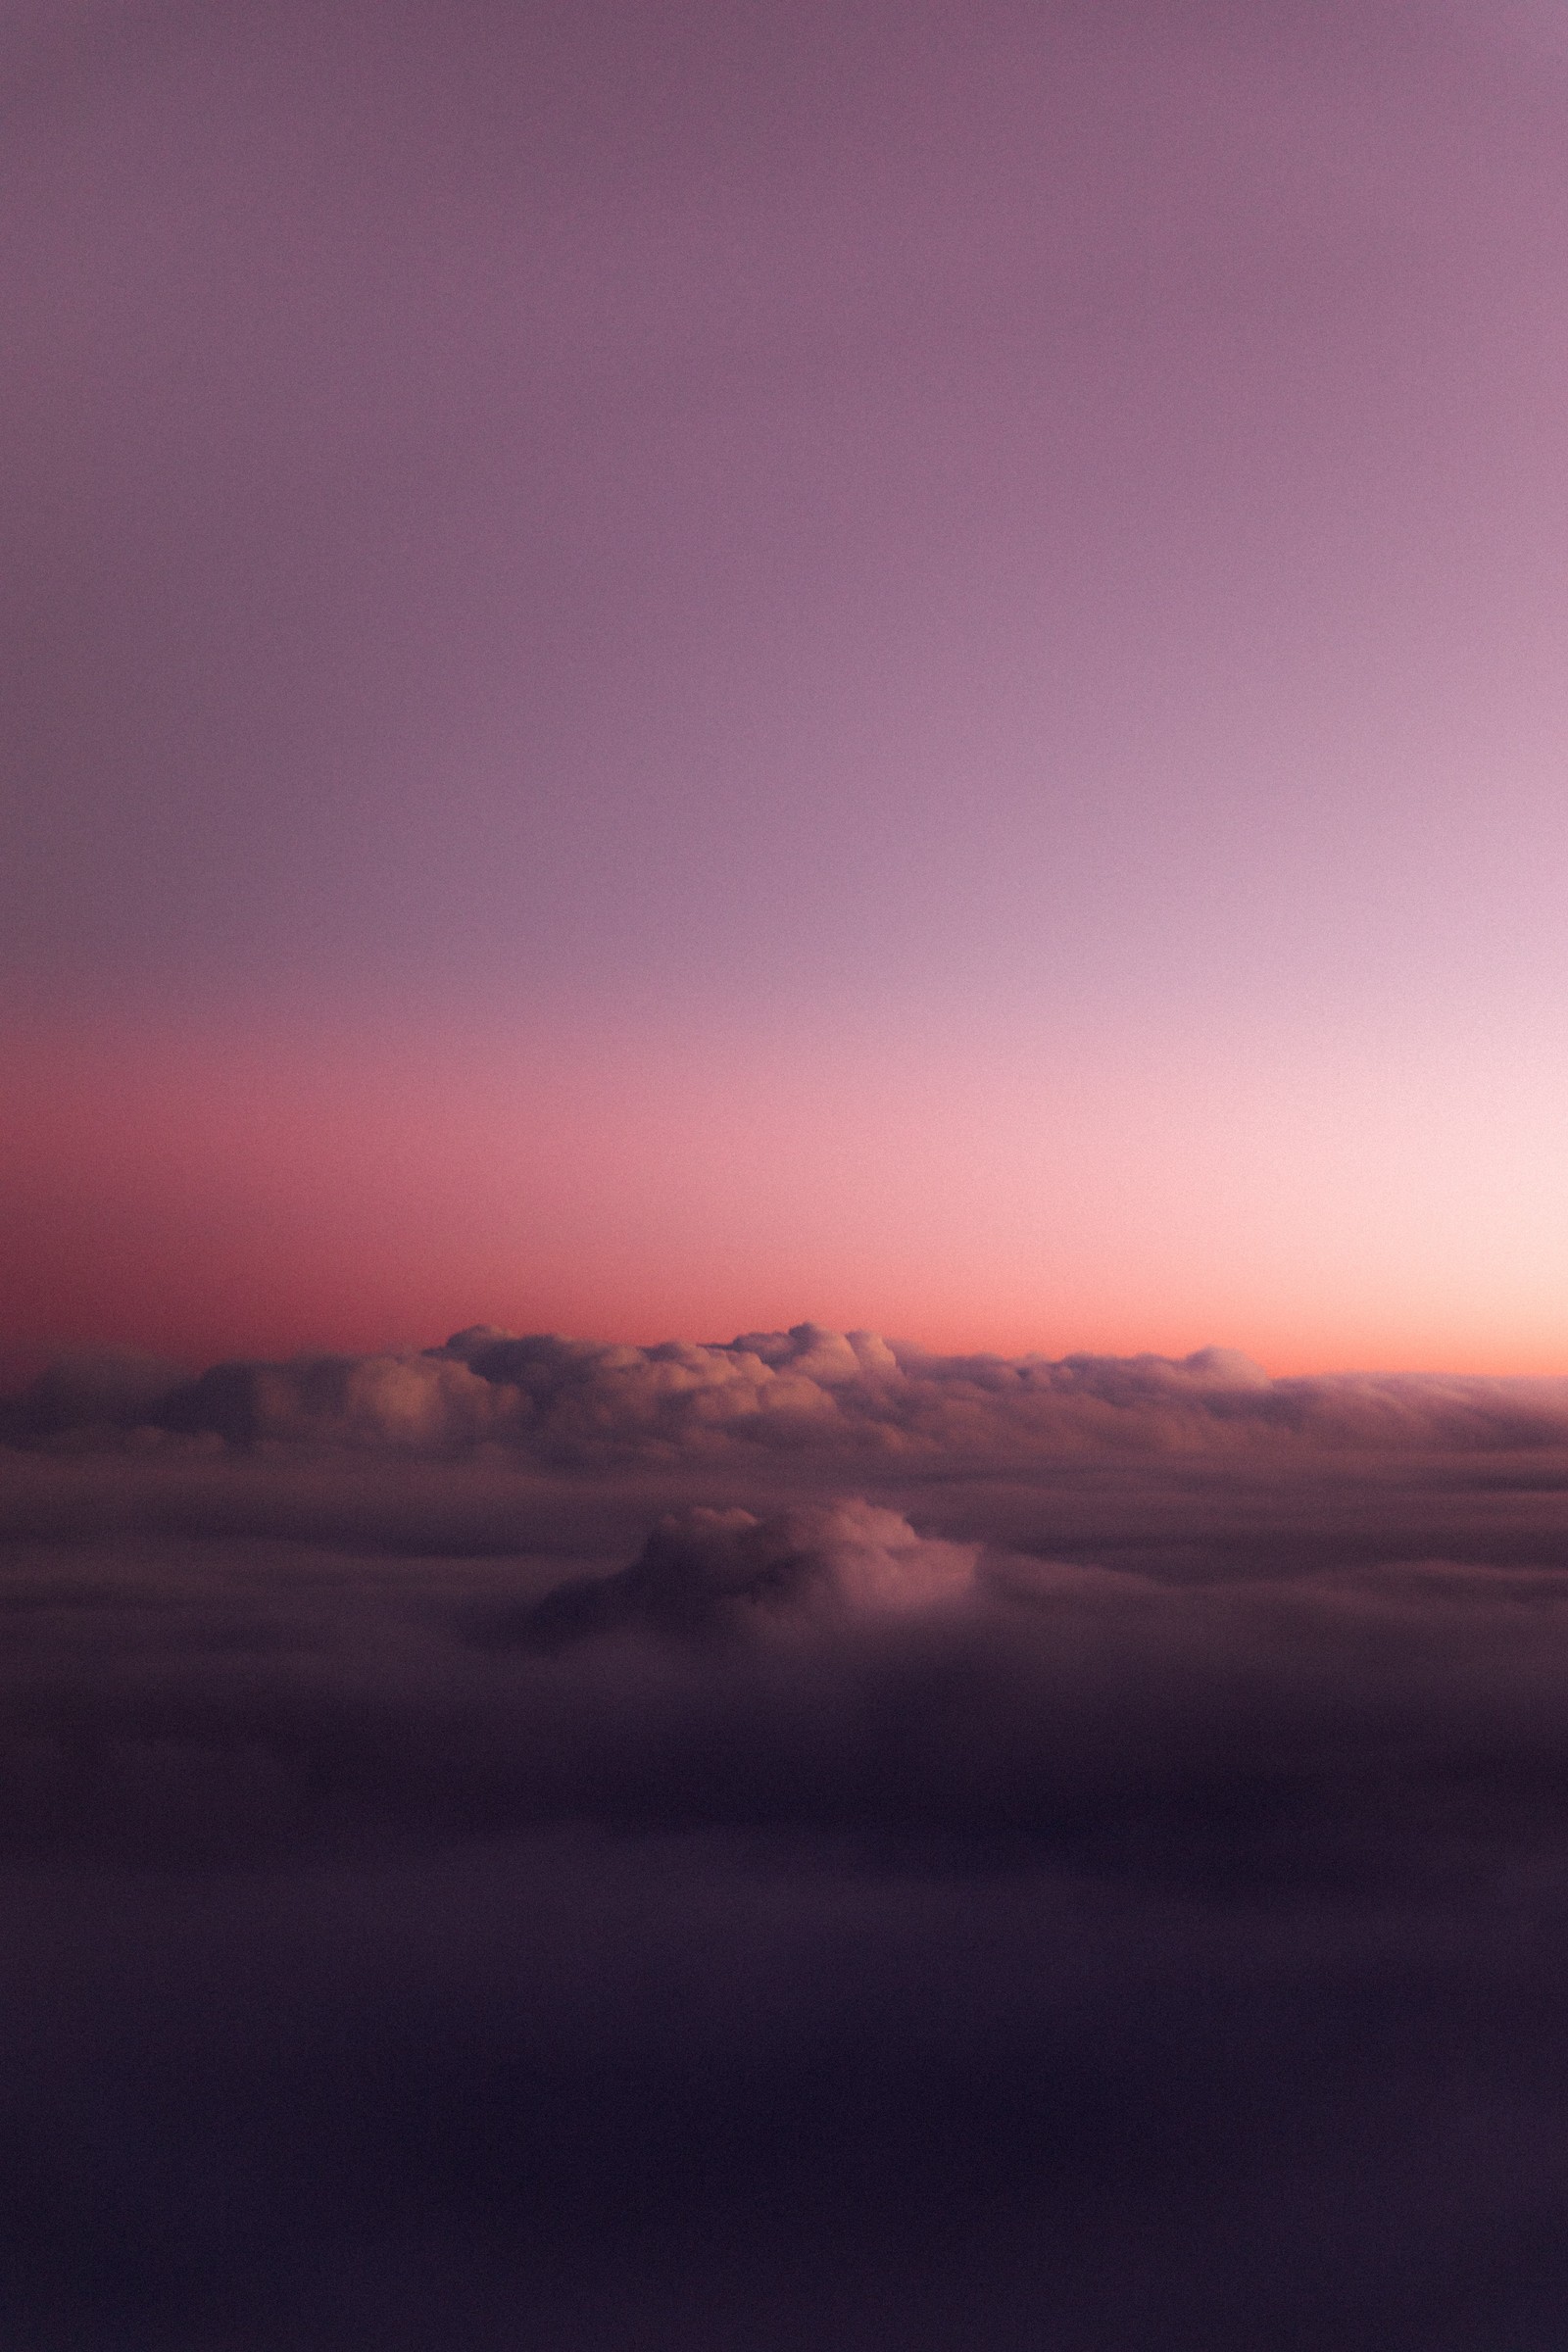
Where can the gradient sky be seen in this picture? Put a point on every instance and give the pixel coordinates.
(671, 669)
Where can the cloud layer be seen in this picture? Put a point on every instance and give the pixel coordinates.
(1112, 1896)
(558, 1401)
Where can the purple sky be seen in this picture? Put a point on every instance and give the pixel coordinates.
(1031, 529)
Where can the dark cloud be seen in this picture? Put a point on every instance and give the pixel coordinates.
(91, 1393)
(719, 1892)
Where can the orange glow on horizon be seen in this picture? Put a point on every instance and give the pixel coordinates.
(196, 1195)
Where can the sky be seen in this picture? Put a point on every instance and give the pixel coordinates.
(783, 1417)
(673, 669)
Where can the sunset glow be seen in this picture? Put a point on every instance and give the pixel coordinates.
(914, 676)
(1319, 1203)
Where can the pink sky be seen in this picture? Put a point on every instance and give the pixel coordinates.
(678, 669)
(370, 1189)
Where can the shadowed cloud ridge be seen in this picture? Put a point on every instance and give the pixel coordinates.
(555, 1400)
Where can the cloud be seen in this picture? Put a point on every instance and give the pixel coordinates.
(674, 1888)
(558, 1401)
(93, 1390)
(703, 1571)
(1143, 1683)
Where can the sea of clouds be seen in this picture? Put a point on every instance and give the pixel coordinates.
(532, 1843)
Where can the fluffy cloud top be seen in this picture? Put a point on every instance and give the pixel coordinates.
(704, 1571)
(554, 1400)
